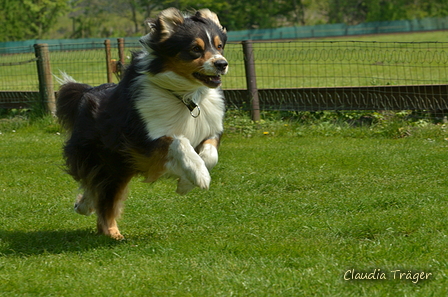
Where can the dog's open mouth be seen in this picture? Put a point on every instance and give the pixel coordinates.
(212, 81)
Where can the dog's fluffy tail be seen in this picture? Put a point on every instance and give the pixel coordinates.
(64, 78)
(70, 97)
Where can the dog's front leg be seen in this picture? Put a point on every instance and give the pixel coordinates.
(208, 151)
(184, 161)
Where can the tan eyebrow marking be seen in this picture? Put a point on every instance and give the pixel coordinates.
(200, 42)
(217, 41)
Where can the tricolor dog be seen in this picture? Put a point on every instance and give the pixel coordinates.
(163, 118)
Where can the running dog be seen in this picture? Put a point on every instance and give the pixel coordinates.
(163, 118)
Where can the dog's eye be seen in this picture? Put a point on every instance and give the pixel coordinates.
(220, 46)
(196, 49)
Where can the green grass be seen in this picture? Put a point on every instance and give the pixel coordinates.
(288, 213)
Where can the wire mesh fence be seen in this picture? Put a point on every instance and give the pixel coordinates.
(18, 71)
(344, 75)
(349, 63)
(86, 66)
(289, 75)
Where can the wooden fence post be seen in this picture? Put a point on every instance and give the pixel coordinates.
(121, 50)
(122, 61)
(110, 74)
(46, 90)
(251, 79)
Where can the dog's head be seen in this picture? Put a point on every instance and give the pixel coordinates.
(189, 45)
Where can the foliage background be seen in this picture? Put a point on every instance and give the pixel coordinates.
(46, 19)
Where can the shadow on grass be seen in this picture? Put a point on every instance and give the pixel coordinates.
(53, 242)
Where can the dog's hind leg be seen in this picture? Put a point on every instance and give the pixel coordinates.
(85, 203)
(184, 186)
(109, 205)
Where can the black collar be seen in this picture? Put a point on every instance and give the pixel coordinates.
(191, 105)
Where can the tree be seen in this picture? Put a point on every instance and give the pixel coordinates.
(29, 19)
(140, 10)
(297, 12)
(347, 11)
(104, 18)
(237, 14)
(261, 14)
(43, 14)
(423, 8)
(358, 11)
(9, 22)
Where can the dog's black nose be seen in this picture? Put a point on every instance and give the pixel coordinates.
(221, 65)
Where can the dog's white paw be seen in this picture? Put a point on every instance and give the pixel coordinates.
(200, 176)
(209, 154)
(194, 171)
(187, 164)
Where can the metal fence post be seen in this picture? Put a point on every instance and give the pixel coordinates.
(45, 77)
(251, 79)
(110, 74)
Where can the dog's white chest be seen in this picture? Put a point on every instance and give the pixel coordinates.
(165, 115)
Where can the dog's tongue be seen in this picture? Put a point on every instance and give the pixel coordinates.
(215, 79)
(212, 81)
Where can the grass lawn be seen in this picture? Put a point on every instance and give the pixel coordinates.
(290, 213)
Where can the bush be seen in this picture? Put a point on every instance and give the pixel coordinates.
(357, 124)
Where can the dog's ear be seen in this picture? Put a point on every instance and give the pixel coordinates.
(168, 20)
(207, 14)
(162, 27)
